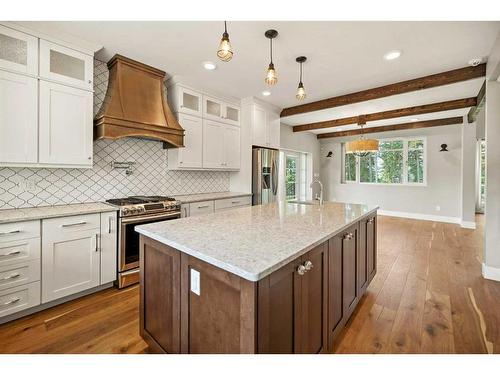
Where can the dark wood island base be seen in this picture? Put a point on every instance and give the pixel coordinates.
(300, 308)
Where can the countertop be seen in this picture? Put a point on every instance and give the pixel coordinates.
(46, 212)
(191, 198)
(254, 241)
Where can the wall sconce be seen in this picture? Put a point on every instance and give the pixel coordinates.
(444, 147)
(330, 154)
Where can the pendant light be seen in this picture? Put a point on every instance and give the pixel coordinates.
(225, 51)
(271, 76)
(301, 92)
(362, 146)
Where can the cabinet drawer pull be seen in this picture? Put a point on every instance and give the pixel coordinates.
(11, 232)
(371, 220)
(14, 300)
(348, 236)
(301, 270)
(11, 253)
(97, 242)
(308, 265)
(235, 202)
(203, 206)
(13, 276)
(73, 224)
(110, 220)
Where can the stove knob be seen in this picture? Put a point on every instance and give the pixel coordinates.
(126, 211)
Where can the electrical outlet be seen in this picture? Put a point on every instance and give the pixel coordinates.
(195, 282)
(438, 208)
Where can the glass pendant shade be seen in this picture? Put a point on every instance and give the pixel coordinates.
(271, 76)
(225, 50)
(301, 92)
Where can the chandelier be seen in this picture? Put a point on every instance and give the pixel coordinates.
(362, 146)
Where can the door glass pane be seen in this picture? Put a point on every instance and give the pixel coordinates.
(232, 113)
(291, 178)
(14, 50)
(190, 101)
(66, 65)
(213, 108)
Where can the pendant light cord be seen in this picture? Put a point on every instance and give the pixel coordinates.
(271, 39)
(300, 73)
(225, 28)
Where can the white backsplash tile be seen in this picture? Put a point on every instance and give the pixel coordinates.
(29, 187)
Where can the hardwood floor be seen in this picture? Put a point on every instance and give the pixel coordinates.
(428, 297)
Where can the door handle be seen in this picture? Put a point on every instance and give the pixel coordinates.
(11, 253)
(11, 232)
(110, 219)
(96, 242)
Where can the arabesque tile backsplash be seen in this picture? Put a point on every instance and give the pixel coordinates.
(29, 187)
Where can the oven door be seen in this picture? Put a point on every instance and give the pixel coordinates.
(128, 256)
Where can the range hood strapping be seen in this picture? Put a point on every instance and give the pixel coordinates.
(135, 105)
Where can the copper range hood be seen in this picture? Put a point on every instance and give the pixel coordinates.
(135, 105)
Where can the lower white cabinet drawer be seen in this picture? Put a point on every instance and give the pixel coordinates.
(60, 227)
(201, 208)
(19, 251)
(19, 298)
(233, 202)
(21, 230)
(19, 274)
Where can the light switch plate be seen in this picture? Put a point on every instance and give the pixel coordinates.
(195, 282)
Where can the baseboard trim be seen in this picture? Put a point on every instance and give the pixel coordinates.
(410, 215)
(491, 273)
(468, 224)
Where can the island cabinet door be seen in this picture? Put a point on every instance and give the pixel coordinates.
(314, 301)
(349, 269)
(279, 309)
(292, 306)
(362, 257)
(371, 247)
(160, 296)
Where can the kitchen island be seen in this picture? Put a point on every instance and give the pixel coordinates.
(277, 278)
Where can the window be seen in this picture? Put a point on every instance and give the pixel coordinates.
(398, 161)
(291, 177)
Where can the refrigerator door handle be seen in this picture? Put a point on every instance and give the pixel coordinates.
(274, 177)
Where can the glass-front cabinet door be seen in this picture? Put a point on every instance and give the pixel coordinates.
(65, 65)
(212, 108)
(231, 114)
(18, 51)
(189, 101)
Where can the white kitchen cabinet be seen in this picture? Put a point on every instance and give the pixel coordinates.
(65, 125)
(232, 153)
(213, 144)
(70, 255)
(18, 51)
(18, 118)
(191, 155)
(212, 108)
(107, 245)
(265, 127)
(185, 210)
(19, 274)
(185, 100)
(201, 208)
(66, 65)
(230, 203)
(19, 298)
(231, 114)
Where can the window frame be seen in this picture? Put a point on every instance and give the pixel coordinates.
(404, 182)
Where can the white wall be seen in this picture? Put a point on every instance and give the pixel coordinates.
(468, 183)
(443, 177)
(305, 142)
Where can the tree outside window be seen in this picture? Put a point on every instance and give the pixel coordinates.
(291, 177)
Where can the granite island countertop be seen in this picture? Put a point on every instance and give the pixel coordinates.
(46, 212)
(254, 241)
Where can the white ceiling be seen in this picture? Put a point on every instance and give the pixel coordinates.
(343, 57)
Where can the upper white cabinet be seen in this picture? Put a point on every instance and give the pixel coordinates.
(46, 105)
(66, 131)
(212, 130)
(18, 51)
(265, 127)
(191, 155)
(18, 118)
(65, 65)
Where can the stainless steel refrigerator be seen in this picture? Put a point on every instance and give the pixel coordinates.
(265, 163)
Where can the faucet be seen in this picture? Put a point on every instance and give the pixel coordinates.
(320, 190)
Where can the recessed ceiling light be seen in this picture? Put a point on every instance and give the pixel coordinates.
(414, 120)
(475, 62)
(266, 93)
(392, 55)
(208, 65)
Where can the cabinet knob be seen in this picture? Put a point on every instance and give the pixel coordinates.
(90, 81)
(308, 265)
(301, 270)
(349, 236)
(90, 158)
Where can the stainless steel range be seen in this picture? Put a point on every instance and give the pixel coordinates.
(134, 211)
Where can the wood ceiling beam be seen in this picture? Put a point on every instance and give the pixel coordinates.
(481, 97)
(393, 113)
(387, 128)
(434, 80)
